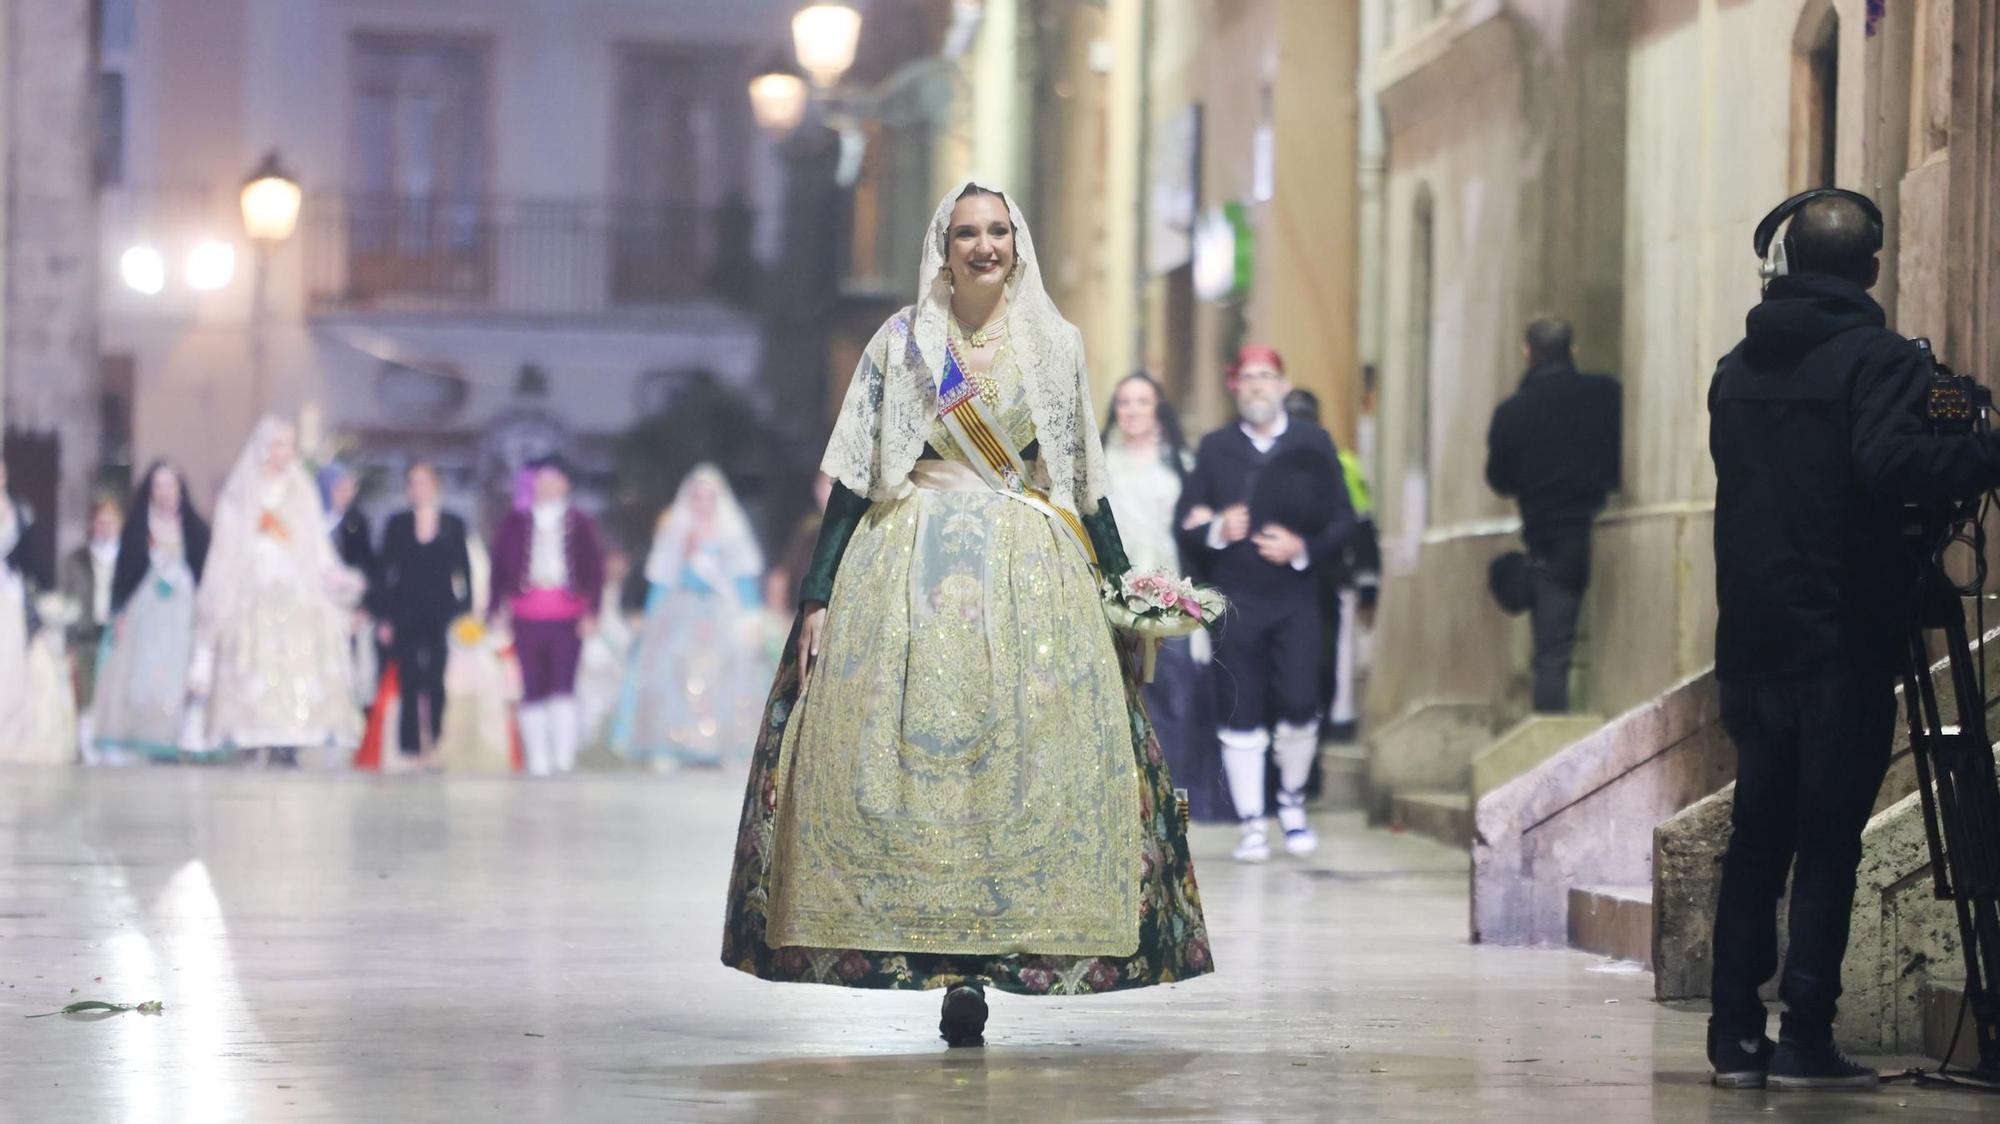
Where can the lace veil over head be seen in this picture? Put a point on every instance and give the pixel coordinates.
(730, 530)
(250, 491)
(892, 401)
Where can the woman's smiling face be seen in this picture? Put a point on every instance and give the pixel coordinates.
(979, 243)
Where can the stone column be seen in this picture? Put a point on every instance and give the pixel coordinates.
(1312, 235)
(1972, 339)
(50, 272)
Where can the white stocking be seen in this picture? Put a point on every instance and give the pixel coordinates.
(1296, 746)
(1243, 763)
(565, 731)
(535, 747)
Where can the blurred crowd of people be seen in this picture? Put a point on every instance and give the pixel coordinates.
(1278, 518)
(287, 633)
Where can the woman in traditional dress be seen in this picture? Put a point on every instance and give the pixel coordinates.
(36, 700)
(957, 785)
(688, 701)
(1147, 460)
(600, 680)
(480, 683)
(142, 689)
(15, 580)
(273, 612)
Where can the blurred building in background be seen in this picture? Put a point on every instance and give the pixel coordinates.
(1190, 170)
(57, 437)
(525, 225)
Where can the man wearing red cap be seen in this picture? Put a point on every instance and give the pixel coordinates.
(1265, 506)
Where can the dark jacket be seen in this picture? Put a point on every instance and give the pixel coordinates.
(515, 540)
(1554, 447)
(1229, 470)
(27, 559)
(420, 583)
(135, 549)
(1816, 426)
(353, 544)
(78, 582)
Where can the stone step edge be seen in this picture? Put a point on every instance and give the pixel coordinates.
(1434, 814)
(1612, 920)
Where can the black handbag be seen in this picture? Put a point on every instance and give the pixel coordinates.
(1509, 578)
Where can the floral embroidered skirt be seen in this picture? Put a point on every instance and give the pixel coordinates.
(1015, 827)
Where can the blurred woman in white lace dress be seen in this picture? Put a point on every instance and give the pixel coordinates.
(272, 615)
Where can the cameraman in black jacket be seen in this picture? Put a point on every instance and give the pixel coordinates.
(1817, 429)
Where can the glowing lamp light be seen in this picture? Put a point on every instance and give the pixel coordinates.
(779, 100)
(824, 37)
(143, 270)
(270, 199)
(210, 266)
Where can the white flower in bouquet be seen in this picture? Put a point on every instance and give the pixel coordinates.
(57, 611)
(1157, 605)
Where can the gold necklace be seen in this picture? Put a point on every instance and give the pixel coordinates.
(978, 338)
(984, 383)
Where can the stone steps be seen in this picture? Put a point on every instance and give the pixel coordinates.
(1443, 816)
(1343, 775)
(1527, 744)
(1613, 921)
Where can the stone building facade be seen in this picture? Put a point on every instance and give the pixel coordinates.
(1126, 128)
(526, 225)
(1606, 163)
(48, 262)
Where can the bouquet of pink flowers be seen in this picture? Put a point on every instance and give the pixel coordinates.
(1158, 605)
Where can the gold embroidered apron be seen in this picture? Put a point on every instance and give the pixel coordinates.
(959, 775)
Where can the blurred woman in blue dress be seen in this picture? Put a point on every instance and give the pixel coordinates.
(690, 698)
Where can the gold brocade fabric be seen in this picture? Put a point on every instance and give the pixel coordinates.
(959, 775)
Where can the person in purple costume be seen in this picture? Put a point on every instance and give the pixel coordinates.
(548, 569)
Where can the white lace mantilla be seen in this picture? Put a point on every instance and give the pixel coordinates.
(892, 401)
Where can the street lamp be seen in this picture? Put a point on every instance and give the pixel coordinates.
(778, 96)
(144, 270)
(824, 36)
(270, 201)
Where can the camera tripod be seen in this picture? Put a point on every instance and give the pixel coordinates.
(1961, 802)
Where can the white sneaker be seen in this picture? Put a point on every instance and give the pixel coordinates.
(1300, 839)
(1255, 846)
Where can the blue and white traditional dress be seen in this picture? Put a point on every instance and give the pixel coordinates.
(690, 696)
(142, 684)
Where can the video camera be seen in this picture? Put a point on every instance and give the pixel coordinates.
(1955, 405)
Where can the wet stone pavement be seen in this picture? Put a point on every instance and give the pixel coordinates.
(352, 948)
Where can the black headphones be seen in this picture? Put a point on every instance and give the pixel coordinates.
(1777, 260)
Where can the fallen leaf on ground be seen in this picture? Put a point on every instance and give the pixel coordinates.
(151, 1007)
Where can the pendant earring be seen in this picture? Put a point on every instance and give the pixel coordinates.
(944, 275)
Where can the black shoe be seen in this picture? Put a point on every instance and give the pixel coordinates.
(1795, 1066)
(964, 1021)
(1737, 1062)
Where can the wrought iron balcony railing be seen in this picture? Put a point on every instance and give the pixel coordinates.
(551, 258)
